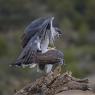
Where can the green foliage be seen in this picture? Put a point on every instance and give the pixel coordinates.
(69, 55)
(20, 11)
(74, 56)
(3, 46)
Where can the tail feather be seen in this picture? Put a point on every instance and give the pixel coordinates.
(20, 63)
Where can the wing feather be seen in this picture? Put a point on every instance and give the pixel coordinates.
(37, 26)
(30, 47)
(27, 59)
(36, 23)
(28, 35)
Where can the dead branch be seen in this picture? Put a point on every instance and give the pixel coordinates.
(52, 84)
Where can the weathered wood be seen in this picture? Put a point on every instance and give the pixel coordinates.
(53, 84)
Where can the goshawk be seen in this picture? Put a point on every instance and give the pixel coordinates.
(35, 40)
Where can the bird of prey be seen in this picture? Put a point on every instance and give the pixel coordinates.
(36, 39)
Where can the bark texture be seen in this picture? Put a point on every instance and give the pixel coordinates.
(52, 84)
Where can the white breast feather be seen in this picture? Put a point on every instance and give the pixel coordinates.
(44, 44)
(48, 68)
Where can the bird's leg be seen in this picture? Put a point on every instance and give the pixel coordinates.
(38, 69)
(48, 68)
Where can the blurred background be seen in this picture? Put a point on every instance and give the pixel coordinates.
(75, 17)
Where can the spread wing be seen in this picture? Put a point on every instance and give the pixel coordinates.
(33, 28)
(28, 35)
(36, 23)
(27, 55)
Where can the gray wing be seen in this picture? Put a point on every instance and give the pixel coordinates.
(28, 35)
(36, 23)
(35, 27)
(27, 55)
